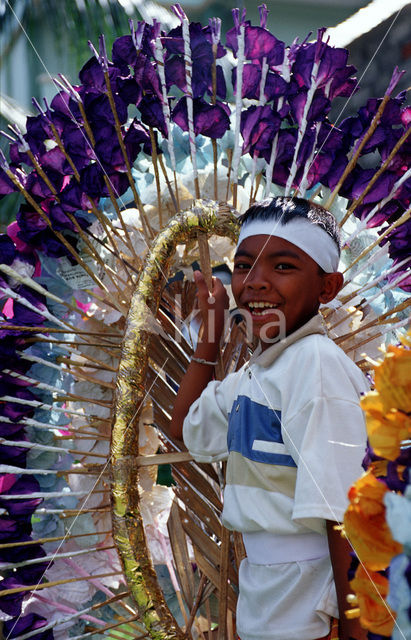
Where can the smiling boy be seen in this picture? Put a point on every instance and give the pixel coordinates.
(288, 423)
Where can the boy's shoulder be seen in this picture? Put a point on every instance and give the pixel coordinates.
(321, 363)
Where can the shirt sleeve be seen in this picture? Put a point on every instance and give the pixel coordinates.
(206, 424)
(328, 457)
(326, 436)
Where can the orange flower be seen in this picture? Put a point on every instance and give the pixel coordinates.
(371, 589)
(393, 379)
(365, 525)
(386, 429)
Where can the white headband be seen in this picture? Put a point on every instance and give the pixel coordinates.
(309, 237)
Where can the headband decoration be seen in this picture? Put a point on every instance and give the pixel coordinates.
(310, 238)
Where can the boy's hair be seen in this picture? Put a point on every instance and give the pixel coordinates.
(284, 209)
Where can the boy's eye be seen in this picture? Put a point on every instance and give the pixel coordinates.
(283, 266)
(241, 266)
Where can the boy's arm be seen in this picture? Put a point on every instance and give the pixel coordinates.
(341, 560)
(212, 307)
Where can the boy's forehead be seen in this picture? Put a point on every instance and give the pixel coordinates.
(267, 245)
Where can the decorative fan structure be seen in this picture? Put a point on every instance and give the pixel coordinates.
(176, 122)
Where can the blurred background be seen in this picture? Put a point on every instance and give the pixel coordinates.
(41, 38)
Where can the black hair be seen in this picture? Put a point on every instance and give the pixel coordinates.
(284, 209)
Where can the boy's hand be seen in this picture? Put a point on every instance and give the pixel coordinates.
(212, 305)
(341, 559)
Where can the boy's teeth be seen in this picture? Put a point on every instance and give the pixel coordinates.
(261, 305)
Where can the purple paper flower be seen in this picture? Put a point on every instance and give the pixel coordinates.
(258, 44)
(356, 126)
(152, 114)
(331, 61)
(274, 86)
(202, 61)
(287, 140)
(38, 187)
(9, 528)
(30, 622)
(38, 129)
(12, 603)
(146, 77)
(318, 110)
(23, 315)
(23, 552)
(129, 91)
(77, 144)
(124, 52)
(21, 507)
(137, 138)
(258, 128)
(13, 410)
(92, 76)
(15, 456)
(379, 190)
(209, 120)
(9, 430)
(98, 109)
(7, 249)
(6, 185)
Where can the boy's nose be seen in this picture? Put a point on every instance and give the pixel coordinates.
(256, 279)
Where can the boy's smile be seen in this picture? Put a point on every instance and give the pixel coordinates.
(277, 283)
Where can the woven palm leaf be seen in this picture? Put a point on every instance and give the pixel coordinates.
(128, 178)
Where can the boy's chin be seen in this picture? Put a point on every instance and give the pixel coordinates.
(270, 332)
(268, 337)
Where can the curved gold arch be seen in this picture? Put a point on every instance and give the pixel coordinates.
(128, 530)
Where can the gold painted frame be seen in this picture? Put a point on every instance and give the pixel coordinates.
(128, 530)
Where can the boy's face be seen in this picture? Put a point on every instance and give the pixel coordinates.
(273, 271)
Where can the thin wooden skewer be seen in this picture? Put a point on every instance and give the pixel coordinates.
(54, 583)
(69, 329)
(156, 176)
(9, 545)
(108, 627)
(170, 189)
(197, 601)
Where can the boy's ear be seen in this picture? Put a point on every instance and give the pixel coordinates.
(332, 284)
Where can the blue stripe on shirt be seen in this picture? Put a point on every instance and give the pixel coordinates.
(249, 421)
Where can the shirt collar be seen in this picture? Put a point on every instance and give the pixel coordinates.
(264, 358)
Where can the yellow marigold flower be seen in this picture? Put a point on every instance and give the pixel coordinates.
(365, 525)
(393, 379)
(386, 429)
(371, 589)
